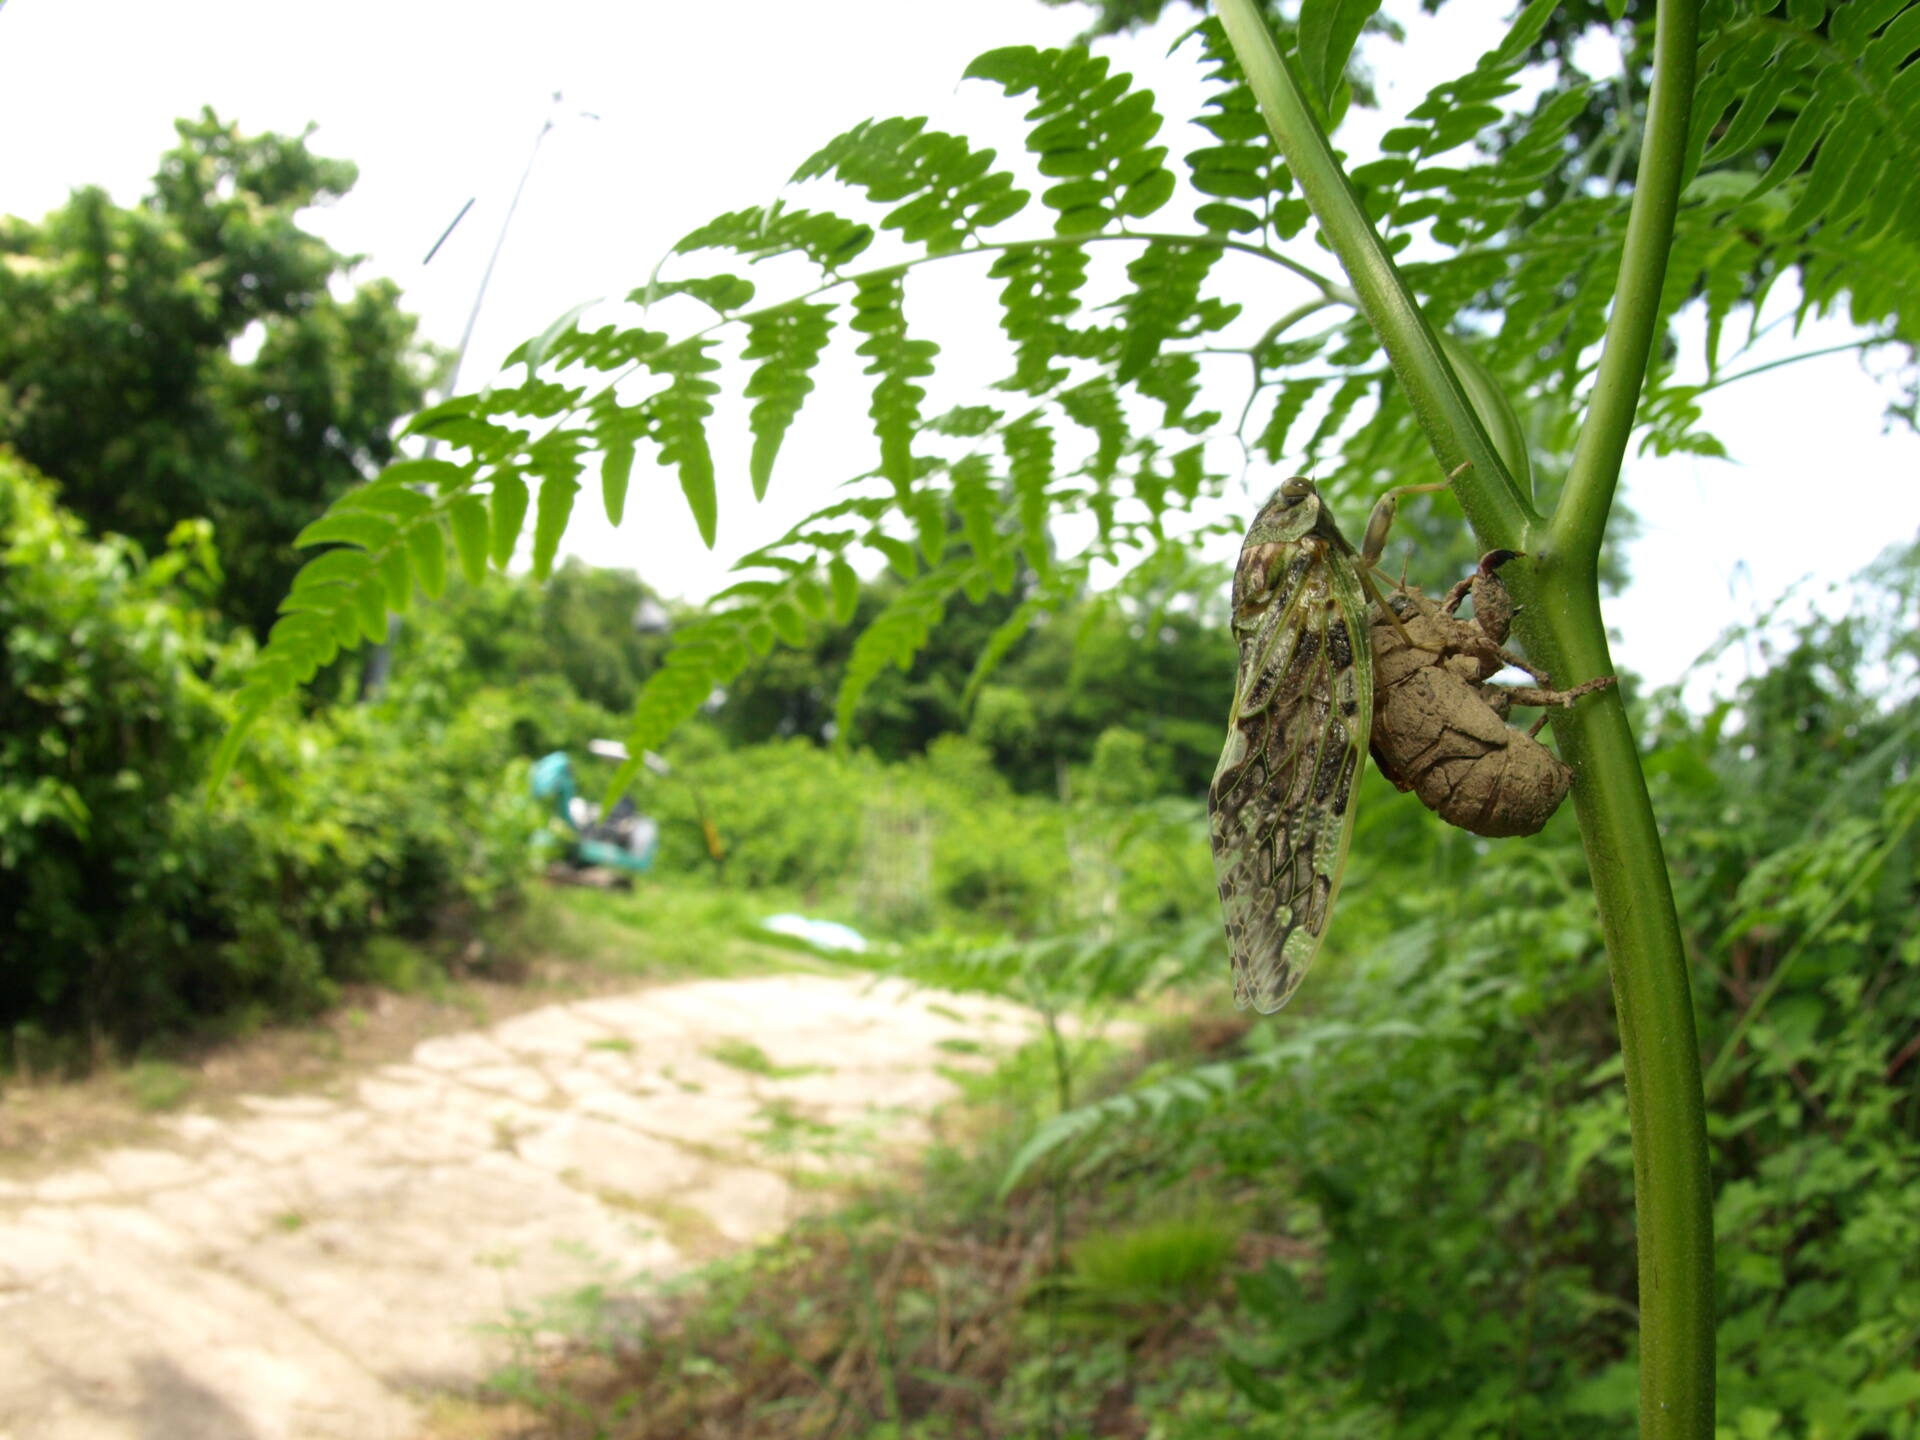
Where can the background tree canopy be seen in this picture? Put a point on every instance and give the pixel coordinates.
(199, 354)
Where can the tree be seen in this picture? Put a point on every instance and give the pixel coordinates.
(1516, 347)
(123, 364)
(1152, 654)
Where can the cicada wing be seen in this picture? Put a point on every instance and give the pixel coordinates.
(1282, 800)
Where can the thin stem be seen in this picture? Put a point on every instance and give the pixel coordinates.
(1580, 519)
(1784, 360)
(1487, 491)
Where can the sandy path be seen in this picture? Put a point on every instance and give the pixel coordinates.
(313, 1267)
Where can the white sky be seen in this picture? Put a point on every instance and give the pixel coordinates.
(705, 108)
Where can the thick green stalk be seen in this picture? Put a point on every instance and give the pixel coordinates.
(1563, 626)
(1673, 1182)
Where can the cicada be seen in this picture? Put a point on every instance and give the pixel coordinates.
(1281, 803)
(1440, 724)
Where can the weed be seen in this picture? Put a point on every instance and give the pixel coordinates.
(747, 1056)
(156, 1085)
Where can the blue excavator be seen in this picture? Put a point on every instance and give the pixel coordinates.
(589, 847)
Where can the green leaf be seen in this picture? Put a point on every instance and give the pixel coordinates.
(1288, 406)
(1000, 643)
(397, 501)
(396, 574)
(898, 361)
(846, 590)
(897, 634)
(944, 192)
(429, 550)
(536, 350)
(1029, 446)
(1088, 126)
(370, 608)
(829, 241)
(1041, 290)
(680, 413)
(550, 521)
(788, 342)
(334, 567)
(508, 513)
(722, 293)
(441, 475)
(467, 514)
(359, 527)
(788, 623)
(1165, 302)
(616, 468)
(1328, 30)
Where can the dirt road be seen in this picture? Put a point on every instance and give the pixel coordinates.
(313, 1267)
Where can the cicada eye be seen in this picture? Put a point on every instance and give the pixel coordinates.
(1293, 491)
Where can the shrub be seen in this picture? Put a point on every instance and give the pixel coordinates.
(129, 901)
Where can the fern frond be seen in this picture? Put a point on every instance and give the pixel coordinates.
(387, 537)
(1243, 165)
(1041, 290)
(1091, 131)
(1057, 590)
(830, 241)
(1165, 303)
(896, 635)
(788, 341)
(879, 314)
(679, 415)
(1289, 404)
(1029, 447)
(1170, 1110)
(943, 191)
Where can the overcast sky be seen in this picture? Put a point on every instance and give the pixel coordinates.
(673, 113)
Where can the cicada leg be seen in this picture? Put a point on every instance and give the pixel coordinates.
(1373, 545)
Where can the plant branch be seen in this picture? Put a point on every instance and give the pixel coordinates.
(1579, 520)
(1500, 513)
(1721, 380)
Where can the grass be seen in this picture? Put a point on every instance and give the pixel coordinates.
(747, 1056)
(1134, 1273)
(156, 1086)
(674, 927)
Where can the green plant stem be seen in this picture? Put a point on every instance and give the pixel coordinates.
(1660, 1048)
(1563, 626)
(1487, 491)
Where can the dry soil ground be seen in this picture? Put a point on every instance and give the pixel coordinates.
(320, 1263)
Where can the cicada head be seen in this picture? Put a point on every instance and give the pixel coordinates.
(1292, 528)
(1292, 514)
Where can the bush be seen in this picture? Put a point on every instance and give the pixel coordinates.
(129, 901)
(940, 838)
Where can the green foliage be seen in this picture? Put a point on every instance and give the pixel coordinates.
(1152, 1267)
(1518, 246)
(129, 904)
(118, 352)
(1443, 1135)
(1150, 656)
